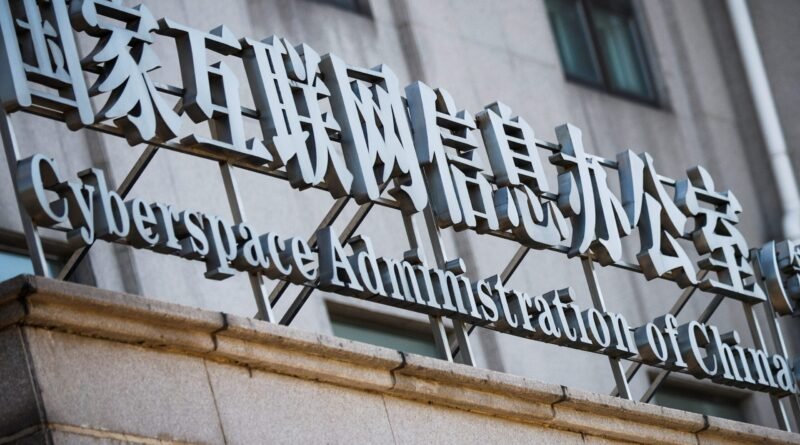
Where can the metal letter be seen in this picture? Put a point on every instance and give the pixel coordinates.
(124, 57)
(287, 89)
(39, 49)
(212, 92)
(376, 138)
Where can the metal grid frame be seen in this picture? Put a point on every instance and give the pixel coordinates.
(447, 348)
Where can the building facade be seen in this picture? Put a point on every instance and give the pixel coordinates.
(663, 77)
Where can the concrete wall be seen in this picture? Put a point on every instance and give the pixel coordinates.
(481, 52)
(773, 22)
(86, 366)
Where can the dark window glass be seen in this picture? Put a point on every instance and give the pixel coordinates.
(700, 402)
(357, 6)
(600, 44)
(573, 40)
(13, 264)
(402, 339)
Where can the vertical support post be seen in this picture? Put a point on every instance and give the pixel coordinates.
(780, 346)
(124, 188)
(462, 336)
(32, 238)
(437, 324)
(781, 415)
(237, 209)
(776, 334)
(599, 303)
(703, 318)
(676, 309)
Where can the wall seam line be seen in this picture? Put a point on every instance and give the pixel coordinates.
(34, 380)
(214, 399)
(388, 418)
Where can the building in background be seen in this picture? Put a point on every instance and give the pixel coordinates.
(666, 77)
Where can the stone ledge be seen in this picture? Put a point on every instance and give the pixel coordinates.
(44, 303)
(591, 412)
(596, 421)
(729, 431)
(480, 379)
(63, 433)
(304, 354)
(475, 389)
(94, 312)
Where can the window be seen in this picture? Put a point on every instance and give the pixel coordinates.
(13, 264)
(600, 44)
(702, 402)
(382, 330)
(357, 6)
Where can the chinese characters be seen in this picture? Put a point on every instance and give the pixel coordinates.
(354, 131)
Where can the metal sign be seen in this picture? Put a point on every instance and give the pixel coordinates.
(417, 147)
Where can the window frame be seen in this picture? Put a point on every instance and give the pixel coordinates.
(335, 309)
(641, 47)
(12, 249)
(360, 7)
(54, 251)
(683, 383)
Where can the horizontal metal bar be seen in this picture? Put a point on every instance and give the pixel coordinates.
(280, 174)
(32, 238)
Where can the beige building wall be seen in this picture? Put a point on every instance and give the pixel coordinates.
(87, 366)
(481, 52)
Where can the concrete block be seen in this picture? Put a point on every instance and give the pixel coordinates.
(122, 388)
(609, 425)
(415, 423)
(618, 419)
(11, 308)
(101, 313)
(482, 379)
(470, 388)
(18, 406)
(632, 410)
(303, 354)
(263, 332)
(724, 431)
(595, 440)
(262, 407)
(78, 435)
(267, 383)
(71, 438)
(10, 289)
(469, 399)
(33, 436)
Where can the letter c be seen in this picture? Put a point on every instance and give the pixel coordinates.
(35, 176)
